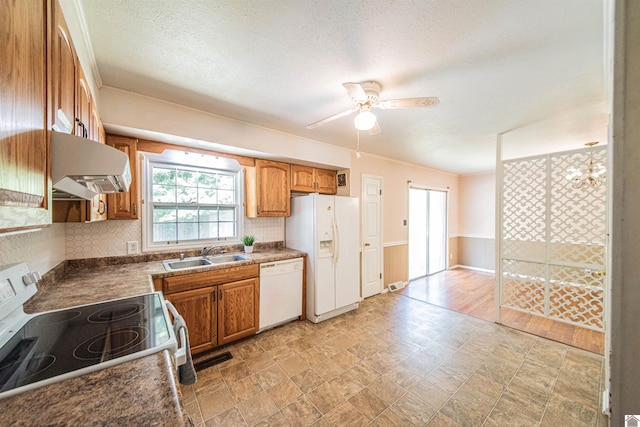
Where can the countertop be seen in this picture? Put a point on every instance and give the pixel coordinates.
(140, 392)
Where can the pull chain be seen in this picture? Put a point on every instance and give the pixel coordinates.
(357, 143)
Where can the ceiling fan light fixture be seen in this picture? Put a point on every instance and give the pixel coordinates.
(365, 120)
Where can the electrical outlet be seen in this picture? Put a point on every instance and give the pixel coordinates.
(132, 247)
(451, 256)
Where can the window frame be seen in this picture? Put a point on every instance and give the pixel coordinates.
(199, 163)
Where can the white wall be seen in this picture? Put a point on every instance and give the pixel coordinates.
(128, 111)
(625, 221)
(396, 193)
(478, 205)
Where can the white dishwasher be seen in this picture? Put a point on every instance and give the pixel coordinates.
(280, 292)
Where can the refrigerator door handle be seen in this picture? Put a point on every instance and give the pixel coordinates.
(336, 241)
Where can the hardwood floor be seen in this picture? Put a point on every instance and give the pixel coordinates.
(473, 293)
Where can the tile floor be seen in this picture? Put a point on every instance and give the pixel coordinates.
(397, 361)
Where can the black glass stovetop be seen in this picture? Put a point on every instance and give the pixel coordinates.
(60, 342)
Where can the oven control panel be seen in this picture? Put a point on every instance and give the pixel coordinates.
(17, 285)
(6, 291)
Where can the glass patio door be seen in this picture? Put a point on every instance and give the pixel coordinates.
(427, 232)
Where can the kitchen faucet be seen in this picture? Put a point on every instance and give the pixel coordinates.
(211, 250)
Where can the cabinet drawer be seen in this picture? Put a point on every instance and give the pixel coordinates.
(209, 278)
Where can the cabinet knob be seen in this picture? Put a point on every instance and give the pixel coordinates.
(135, 208)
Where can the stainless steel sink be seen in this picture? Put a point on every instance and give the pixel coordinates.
(219, 259)
(200, 261)
(176, 264)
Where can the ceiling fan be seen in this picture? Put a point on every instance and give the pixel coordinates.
(365, 96)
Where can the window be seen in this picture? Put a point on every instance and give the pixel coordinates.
(191, 205)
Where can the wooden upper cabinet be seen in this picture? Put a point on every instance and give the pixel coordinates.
(302, 178)
(63, 74)
(268, 189)
(87, 125)
(326, 181)
(126, 205)
(84, 105)
(24, 199)
(73, 105)
(312, 180)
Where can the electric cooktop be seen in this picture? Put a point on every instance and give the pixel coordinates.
(55, 345)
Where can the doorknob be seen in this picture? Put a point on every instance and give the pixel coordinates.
(367, 244)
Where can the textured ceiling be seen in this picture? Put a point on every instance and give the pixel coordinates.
(531, 68)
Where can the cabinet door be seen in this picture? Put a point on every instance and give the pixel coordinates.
(23, 111)
(326, 181)
(83, 107)
(88, 126)
(273, 188)
(198, 307)
(238, 310)
(126, 205)
(63, 74)
(302, 179)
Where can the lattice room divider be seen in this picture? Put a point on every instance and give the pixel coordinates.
(553, 239)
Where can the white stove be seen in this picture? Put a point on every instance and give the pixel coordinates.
(43, 348)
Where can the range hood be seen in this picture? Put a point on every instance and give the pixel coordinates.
(82, 168)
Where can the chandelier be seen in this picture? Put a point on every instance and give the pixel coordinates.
(589, 175)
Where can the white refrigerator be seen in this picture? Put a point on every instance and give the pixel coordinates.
(327, 228)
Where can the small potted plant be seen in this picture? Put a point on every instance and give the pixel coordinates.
(248, 243)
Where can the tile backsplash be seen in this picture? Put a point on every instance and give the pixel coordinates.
(100, 239)
(265, 229)
(41, 250)
(46, 248)
(109, 238)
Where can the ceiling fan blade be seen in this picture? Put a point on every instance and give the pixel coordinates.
(328, 119)
(408, 102)
(356, 91)
(375, 129)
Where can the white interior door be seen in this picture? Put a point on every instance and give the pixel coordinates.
(371, 235)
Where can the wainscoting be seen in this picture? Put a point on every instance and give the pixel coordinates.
(396, 260)
(477, 252)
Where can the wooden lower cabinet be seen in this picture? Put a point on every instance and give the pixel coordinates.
(198, 308)
(238, 310)
(218, 306)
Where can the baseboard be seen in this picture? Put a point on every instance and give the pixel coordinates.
(468, 267)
